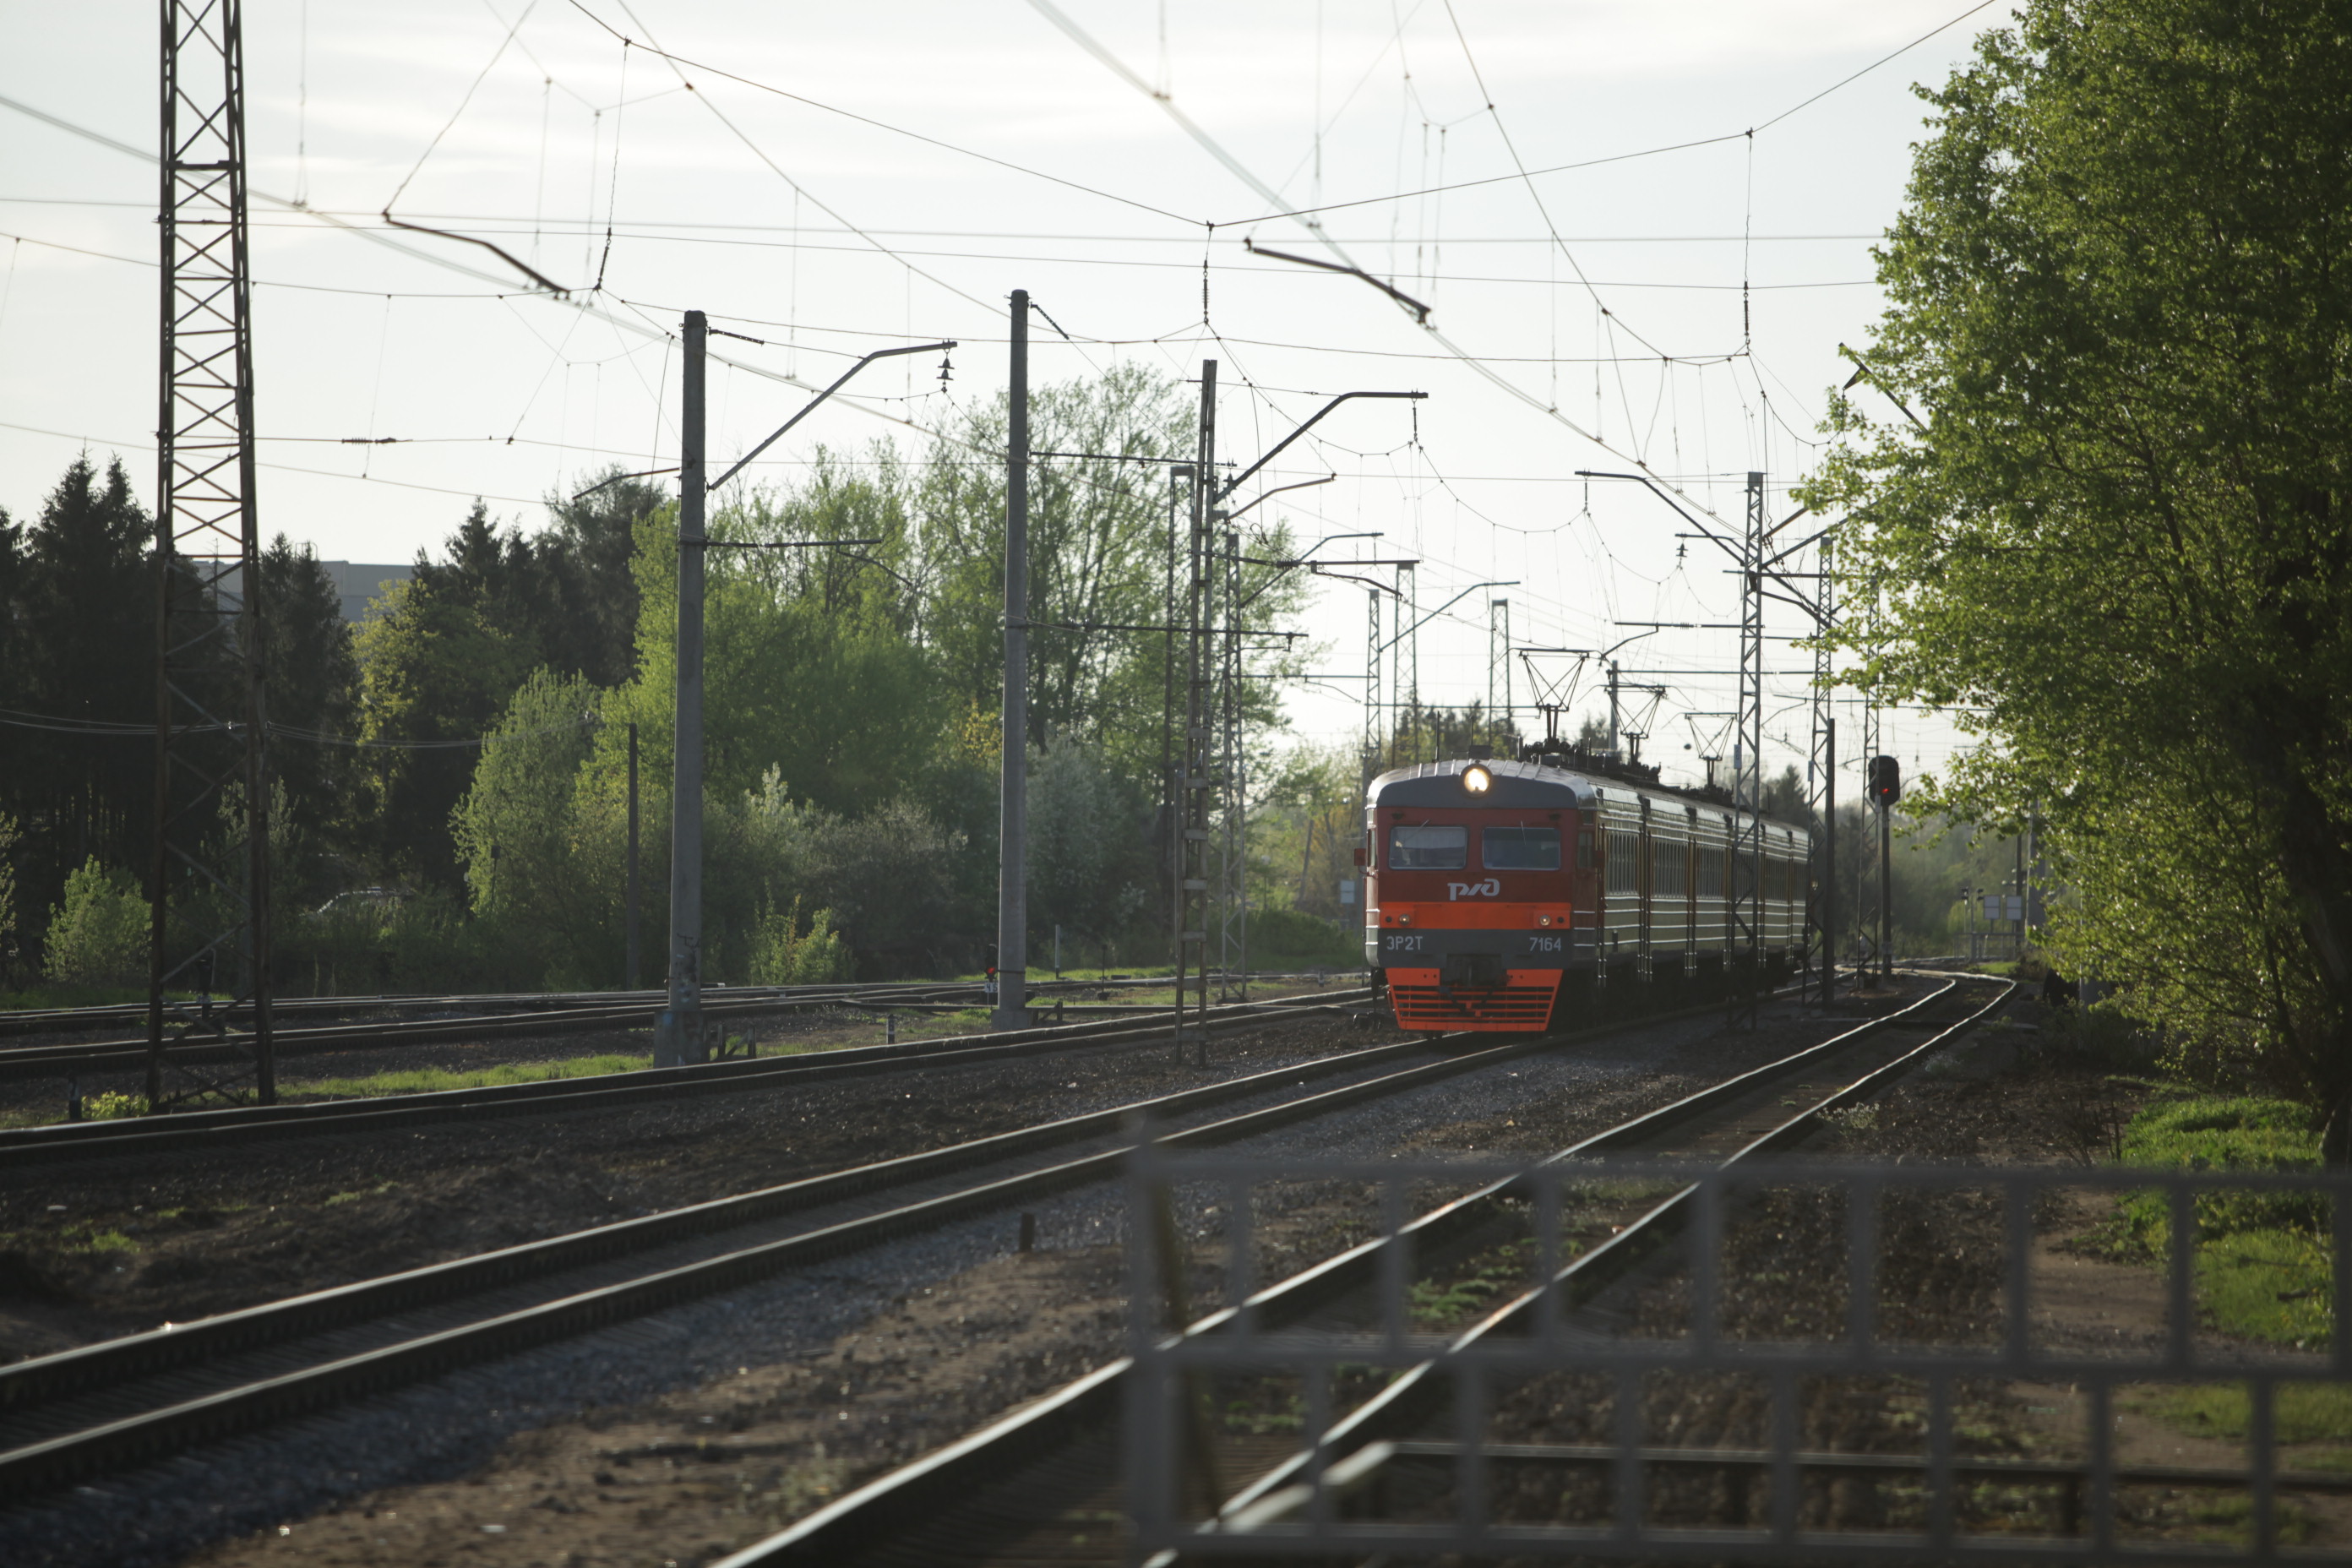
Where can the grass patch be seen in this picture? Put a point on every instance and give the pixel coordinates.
(1495, 1275)
(2235, 1515)
(380, 1188)
(2311, 1411)
(103, 1241)
(431, 1080)
(2262, 1267)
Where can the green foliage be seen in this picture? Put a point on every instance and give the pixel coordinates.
(112, 1105)
(99, 935)
(783, 953)
(543, 848)
(1304, 834)
(2117, 532)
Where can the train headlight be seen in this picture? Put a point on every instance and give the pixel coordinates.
(1476, 779)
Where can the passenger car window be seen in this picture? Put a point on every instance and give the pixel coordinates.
(1434, 849)
(1519, 848)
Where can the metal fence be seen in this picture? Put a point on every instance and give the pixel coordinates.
(1757, 1362)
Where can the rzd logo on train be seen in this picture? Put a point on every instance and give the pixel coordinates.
(1489, 888)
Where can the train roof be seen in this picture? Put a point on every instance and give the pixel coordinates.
(1532, 783)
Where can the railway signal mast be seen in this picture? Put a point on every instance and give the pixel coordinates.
(208, 890)
(1885, 789)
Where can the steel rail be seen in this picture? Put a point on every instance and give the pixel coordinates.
(226, 1129)
(101, 1372)
(869, 1515)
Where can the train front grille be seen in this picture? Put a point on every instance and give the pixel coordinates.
(1467, 1006)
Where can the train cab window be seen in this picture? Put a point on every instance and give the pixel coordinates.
(1428, 848)
(1519, 848)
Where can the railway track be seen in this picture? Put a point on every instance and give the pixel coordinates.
(122, 1402)
(225, 1130)
(1047, 1474)
(464, 1018)
(133, 1014)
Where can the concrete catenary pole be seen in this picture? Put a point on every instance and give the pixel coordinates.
(678, 1033)
(1012, 841)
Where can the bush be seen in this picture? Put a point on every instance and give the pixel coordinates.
(99, 936)
(1287, 938)
(783, 954)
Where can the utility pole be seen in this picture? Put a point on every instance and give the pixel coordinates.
(210, 668)
(1613, 705)
(631, 966)
(1170, 790)
(1829, 862)
(1012, 839)
(678, 1036)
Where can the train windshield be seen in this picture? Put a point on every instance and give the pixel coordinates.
(1434, 848)
(1520, 849)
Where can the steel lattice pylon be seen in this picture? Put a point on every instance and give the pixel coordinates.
(1820, 779)
(1233, 865)
(209, 887)
(1197, 781)
(1747, 750)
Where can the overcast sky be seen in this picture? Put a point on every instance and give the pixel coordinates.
(838, 179)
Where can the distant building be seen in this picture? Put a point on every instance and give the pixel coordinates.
(361, 583)
(358, 585)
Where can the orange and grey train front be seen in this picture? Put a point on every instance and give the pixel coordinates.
(1482, 895)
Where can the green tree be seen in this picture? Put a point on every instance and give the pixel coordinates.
(83, 653)
(435, 674)
(97, 934)
(587, 551)
(12, 843)
(2105, 505)
(314, 691)
(541, 846)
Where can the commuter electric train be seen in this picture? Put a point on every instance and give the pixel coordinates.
(1525, 895)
